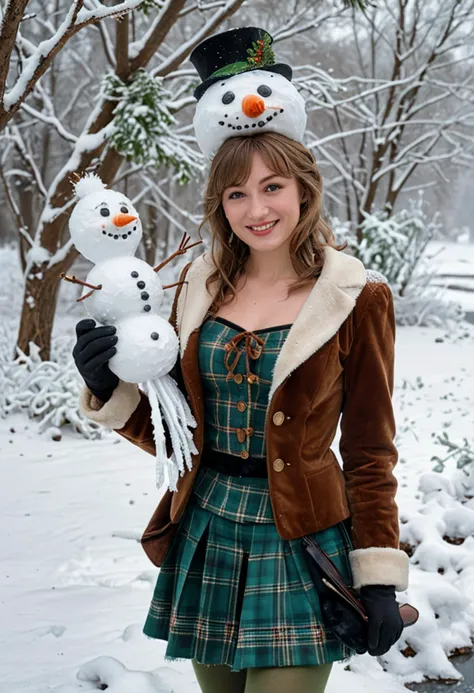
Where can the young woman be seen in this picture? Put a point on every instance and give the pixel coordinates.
(280, 333)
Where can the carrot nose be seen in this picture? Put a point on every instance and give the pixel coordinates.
(253, 105)
(123, 219)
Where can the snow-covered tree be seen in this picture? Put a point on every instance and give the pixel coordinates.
(49, 251)
(398, 114)
(52, 132)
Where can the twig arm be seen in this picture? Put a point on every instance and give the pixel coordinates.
(183, 247)
(75, 280)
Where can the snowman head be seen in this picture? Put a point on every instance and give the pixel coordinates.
(104, 223)
(256, 101)
(244, 90)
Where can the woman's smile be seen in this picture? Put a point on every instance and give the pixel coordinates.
(264, 229)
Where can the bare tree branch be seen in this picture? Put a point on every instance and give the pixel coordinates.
(12, 17)
(40, 59)
(175, 60)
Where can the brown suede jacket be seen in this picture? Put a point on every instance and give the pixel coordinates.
(336, 363)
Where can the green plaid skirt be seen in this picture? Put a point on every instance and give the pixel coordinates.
(232, 591)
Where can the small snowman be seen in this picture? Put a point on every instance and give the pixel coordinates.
(126, 292)
(243, 90)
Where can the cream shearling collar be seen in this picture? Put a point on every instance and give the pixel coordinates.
(330, 302)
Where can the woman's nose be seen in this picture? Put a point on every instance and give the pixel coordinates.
(258, 209)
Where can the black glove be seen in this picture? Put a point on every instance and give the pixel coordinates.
(94, 347)
(385, 623)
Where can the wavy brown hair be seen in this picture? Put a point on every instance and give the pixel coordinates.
(231, 166)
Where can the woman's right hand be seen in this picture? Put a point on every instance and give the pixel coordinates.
(91, 353)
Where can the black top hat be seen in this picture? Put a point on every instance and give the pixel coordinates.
(232, 52)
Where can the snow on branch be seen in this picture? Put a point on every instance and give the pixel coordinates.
(159, 191)
(14, 134)
(35, 64)
(103, 12)
(184, 49)
(37, 59)
(50, 120)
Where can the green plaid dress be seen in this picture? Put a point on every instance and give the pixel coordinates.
(231, 590)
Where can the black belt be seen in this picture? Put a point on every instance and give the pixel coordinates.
(234, 464)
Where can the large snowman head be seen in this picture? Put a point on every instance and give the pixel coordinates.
(104, 224)
(251, 102)
(248, 92)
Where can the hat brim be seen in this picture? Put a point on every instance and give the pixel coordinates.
(280, 68)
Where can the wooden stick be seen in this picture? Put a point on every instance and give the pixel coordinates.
(78, 300)
(75, 280)
(168, 286)
(183, 247)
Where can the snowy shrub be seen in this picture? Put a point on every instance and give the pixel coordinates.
(439, 538)
(464, 455)
(46, 390)
(143, 125)
(395, 246)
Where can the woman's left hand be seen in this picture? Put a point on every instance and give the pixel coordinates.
(385, 623)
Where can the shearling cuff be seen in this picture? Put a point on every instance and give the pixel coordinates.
(116, 412)
(379, 566)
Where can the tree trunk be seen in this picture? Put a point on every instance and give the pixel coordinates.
(39, 306)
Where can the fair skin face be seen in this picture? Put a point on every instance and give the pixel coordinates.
(264, 198)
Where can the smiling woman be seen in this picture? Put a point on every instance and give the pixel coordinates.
(234, 593)
(254, 181)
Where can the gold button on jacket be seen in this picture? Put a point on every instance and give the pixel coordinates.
(238, 377)
(278, 464)
(244, 454)
(241, 406)
(278, 418)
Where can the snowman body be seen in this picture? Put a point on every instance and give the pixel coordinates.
(106, 229)
(147, 348)
(129, 287)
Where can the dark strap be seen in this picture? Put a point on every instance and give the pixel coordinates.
(234, 465)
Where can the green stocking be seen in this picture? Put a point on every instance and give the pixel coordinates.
(218, 678)
(288, 679)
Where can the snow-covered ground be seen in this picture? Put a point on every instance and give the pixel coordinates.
(75, 584)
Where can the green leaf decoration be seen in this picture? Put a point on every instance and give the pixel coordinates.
(261, 54)
(231, 69)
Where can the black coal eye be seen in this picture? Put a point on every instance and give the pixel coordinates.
(123, 209)
(105, 212)
(263, 90)
(228, 97)
(154, 335)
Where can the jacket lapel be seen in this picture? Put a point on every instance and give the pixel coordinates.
(330, 302)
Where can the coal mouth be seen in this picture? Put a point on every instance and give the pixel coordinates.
(249, 126)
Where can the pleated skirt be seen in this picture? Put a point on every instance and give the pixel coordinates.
(232, 591)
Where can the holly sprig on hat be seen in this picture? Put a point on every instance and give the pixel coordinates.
(261, 54)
